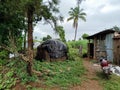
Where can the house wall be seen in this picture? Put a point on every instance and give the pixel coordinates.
(109, 46)
(103, 46)
(95, 47)
(116, 51)
(99, 49)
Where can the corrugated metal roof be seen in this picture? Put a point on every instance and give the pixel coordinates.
(101, 33)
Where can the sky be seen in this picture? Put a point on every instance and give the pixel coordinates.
(101, 15)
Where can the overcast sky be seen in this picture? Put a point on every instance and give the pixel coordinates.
(101, 15)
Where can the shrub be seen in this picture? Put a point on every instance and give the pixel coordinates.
(3, 54)
(6, 79)
(74, 49)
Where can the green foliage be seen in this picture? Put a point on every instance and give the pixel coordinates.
(3, 54)
(46, 38)
(76, 44)
(61, 74)
(85, 35)
(61, 32)
(14, 70)
(73, 53)
(11, 20)
(20, 71)
(74, 48)
(7, 79)
(116, 28)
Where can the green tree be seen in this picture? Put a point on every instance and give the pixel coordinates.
(85, 35)
(37, 10)
(75, 15)
(46, 38)
(19, 13)
(61, 33)
(116, 28)
(11, 23)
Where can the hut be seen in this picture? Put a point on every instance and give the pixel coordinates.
(104, 44)
(51, 50)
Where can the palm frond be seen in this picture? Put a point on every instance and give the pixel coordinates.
(83, 14)
(83, 18)
(70, 18)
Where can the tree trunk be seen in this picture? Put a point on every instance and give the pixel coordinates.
(24, 47)
(30, 39)
(75, 34)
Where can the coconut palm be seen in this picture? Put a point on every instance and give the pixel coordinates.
(75, 15)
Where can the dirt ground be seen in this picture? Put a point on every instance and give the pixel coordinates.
(90, 83)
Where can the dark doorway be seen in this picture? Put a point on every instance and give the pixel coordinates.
(91, 50)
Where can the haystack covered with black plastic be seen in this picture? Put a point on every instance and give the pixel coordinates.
(51, 50)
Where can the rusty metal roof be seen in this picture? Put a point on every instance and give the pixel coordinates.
(101, 33)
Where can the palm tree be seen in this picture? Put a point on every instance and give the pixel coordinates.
(75, 14)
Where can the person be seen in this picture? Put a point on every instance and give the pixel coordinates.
(104, 63)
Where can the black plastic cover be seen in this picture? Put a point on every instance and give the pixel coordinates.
(55, 48)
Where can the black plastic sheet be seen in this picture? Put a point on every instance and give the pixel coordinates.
(55, 49)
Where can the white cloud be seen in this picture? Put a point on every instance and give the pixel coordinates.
(101, 14)
(109, 8)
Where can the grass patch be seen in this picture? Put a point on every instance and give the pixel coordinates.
(112, 84)
(61, 74)
(55, 74)
(13, 70)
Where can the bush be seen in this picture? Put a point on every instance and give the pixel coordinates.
(73, 53)
(3, 54)
(76, 44)
(12, 71)
(19, 67)
(74, 49)
(6, 79)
